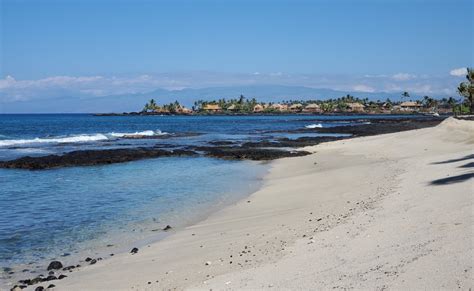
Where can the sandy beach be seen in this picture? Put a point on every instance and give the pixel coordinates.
(390, 211)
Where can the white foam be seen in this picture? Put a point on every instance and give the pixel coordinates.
(68, 139)
(319, 125)
(78, 138)
(143, 133)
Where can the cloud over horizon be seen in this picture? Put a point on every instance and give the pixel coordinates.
(459, 72)
(89, 87)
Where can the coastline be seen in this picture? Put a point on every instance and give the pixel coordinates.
(311, 209)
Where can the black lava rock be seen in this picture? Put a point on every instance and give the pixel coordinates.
(51, 286)
(92, 262)
(167, 228)
(69, 268)
(55, 265)
(62, 277)
(91, 157)
(39, 288)
(50, 278)
(134, 251)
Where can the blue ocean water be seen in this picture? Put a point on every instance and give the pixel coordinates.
(44, 214)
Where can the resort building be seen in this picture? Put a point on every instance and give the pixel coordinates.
(410, 106)
(296, 107)
(258, 108)
(184, 110)
(313, 108)
(279, 107)
(212, 108)
(355, 107)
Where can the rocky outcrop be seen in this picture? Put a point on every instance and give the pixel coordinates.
(90, 158)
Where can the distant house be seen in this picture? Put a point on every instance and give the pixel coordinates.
(184, 110)
(313, 108)
(212, 108)
(161, 110)
(279, 107)
(297, 107)
(410, 106)
(355, 107)
(258, 108)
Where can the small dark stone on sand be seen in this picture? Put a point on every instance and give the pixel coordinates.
(39, 288)
(69, 268)
(55, 265)
(168, 227)
(134, 251)
(50, 278)
(51, 286)
(88, 259)
(92, 262)
(62, 277)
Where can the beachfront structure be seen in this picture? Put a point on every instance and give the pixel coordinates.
(279, 107)
(410, 106)
(296, 107)
(258, 108)
(312, 108)
(212, 108)
(184, 110)
(355, 107)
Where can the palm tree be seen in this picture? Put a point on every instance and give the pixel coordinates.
(466, 89)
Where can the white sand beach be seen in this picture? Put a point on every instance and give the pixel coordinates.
(366, 213)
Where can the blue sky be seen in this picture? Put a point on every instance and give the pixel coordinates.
(170, 43)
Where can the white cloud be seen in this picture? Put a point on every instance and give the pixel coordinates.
(12, 90)
(363, 88)
(459, 72)
(403, 77)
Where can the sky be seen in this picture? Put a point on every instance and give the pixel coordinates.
(76, 48)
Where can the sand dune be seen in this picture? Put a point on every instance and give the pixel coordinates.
(391, 211)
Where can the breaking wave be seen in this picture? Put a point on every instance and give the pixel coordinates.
(319, 125)
(81, 138)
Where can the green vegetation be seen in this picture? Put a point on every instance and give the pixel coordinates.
(466, 89)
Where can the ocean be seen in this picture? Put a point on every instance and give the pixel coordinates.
(73, 212)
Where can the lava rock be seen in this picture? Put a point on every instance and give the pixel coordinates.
(92, 262)
(62, 277)
(55, 265)
(167, 228)
(50, 278)
(91, 157)
(134, 251)
(39, 288)
(69, 268)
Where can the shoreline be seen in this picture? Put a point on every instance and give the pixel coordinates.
(119, 242)
(274, 227)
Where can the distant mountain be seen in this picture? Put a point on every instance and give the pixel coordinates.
(135, 102)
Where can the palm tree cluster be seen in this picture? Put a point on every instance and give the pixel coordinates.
(150, 106)
(173, 107)
(466, 89)
(240, 104)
